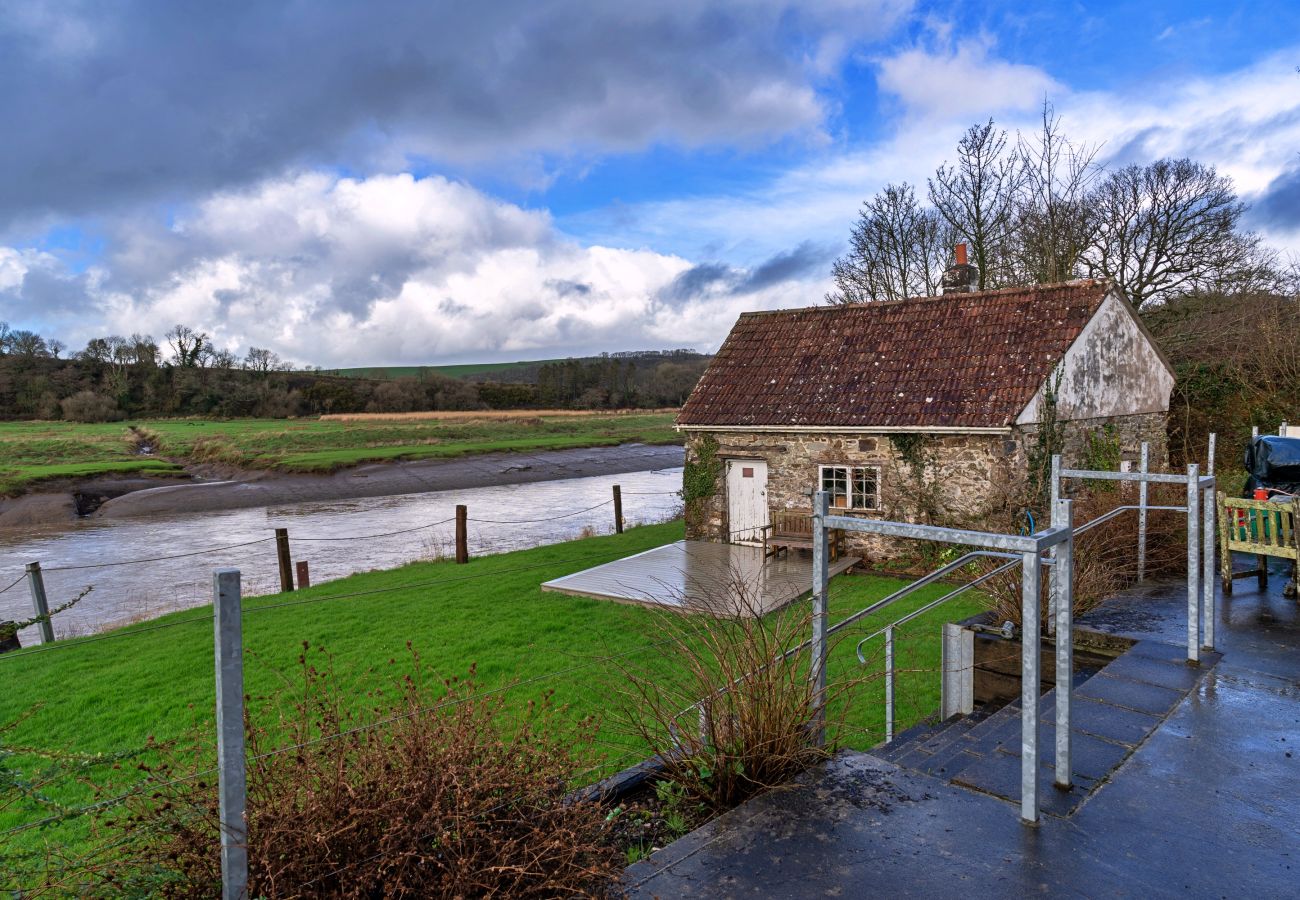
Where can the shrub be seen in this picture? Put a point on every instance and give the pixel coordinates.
(451, 796)
(758, 705)
(1105, 557)
(87, 406)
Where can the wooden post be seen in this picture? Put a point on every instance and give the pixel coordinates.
(232, 777)
(36, 582)
(462, 538)
(304, 574)
(618, 510)
(286, 563)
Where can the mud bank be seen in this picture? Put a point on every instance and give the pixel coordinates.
(124, 498)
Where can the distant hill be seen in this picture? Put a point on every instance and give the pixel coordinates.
(466, 371)
(522, 371)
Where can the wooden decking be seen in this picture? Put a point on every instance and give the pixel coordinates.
(700, 576)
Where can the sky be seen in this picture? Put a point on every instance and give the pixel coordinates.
(406, 183)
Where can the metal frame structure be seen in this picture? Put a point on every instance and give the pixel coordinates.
(1024, 550)
(1199, 509)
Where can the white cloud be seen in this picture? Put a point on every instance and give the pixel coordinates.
(388, 270)
(1245, 123)
(962, 80)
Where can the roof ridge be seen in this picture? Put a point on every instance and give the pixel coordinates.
(991, 292)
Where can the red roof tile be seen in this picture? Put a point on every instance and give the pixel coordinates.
(962, 360)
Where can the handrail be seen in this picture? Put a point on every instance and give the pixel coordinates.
(1006, 567)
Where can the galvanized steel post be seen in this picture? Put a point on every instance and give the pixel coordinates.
(1062, 578)
(1051, 574)
(232, 780)
(1030, 586)
(1144, 466)
(889, 684)
(821, 575)
(1193, 563)
(1209, 462)
(36, 583)
(1207, 565)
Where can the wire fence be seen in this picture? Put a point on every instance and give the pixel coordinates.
(124, 591)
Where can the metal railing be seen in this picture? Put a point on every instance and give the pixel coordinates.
(1025, 551)
(1199, 509)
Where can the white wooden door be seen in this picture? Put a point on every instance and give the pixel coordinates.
(746, 500)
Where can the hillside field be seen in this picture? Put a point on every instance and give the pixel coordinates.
(31, 452)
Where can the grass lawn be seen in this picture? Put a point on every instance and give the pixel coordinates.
(106, 695)
(32, 451)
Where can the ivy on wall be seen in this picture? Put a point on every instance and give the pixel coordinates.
(700, 479)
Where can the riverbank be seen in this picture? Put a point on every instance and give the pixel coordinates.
(237, 465)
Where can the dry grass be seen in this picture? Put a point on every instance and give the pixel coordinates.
(490, 414)
(733, 715)
(1105, 557)
(456, 797)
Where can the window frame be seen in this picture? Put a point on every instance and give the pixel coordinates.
(848, 476)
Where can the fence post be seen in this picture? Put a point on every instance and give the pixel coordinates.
(821, 575)
(1209, 463)
(1207, 564)
(1254, 432)
(462, 534)
(1193, 563)
(1281, 430)
(1063, 591)
(889, 684)
(1030, 587)
(618, 510)
(36, 582)
(1144, 466)
(232, 779)
(286, 562)
(1051, 572)
(304, 574)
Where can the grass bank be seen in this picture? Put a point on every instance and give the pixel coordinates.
(31, 452)
(104, 694)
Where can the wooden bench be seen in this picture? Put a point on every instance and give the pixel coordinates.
(791, 528)
(1262, 527)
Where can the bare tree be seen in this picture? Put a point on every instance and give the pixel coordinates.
(978, 196)
(4, 338)
(187, 345)
(1054, 223)
(898, 249)
(260, 359)
(27, 343)
(56, 347)
(1169, 228)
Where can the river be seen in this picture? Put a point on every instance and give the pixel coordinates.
(329, 535)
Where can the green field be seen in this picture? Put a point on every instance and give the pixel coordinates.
(100, 695)
(34, 451)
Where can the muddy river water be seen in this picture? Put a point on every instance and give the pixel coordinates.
(332, 536)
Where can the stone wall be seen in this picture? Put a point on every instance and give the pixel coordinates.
(960, 480)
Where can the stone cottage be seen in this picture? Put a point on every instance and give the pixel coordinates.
(932, 409)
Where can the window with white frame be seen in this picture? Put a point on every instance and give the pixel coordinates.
(852, 487)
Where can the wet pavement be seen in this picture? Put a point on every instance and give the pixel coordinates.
(1204, 804)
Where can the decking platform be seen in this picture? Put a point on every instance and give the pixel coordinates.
(700, 576)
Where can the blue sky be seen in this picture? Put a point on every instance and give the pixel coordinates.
(410, 182)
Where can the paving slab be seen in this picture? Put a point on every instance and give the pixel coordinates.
(1203, 803)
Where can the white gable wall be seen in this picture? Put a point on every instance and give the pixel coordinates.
(1111, 369)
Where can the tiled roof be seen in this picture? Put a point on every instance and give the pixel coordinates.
(961, 361)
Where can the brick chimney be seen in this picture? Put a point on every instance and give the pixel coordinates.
(961, 276)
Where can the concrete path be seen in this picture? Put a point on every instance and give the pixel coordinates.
(1208, 805)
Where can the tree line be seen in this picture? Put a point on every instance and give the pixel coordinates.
(115, 377)
(1039, 209)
